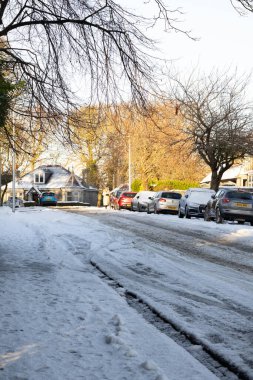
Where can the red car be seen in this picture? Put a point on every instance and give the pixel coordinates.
(125, 200)
(114, 198)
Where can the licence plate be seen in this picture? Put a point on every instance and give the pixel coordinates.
(171, 207)
(238, 204)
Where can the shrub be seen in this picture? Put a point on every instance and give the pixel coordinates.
(172, 185)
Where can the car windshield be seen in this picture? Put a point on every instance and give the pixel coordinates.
(239, 195)
(171, 195)
(200, 196)
(146, 194)
(129, 195)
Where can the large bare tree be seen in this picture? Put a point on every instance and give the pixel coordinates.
(240, 5)
(45, 43)
(218, 120)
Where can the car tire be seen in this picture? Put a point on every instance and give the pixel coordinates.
(138, 208)
(219, 219)
(155, 210)
(251, 223)
(240, 222)
(148, 210)
(187, 215)
(180, 214)
(206, 215)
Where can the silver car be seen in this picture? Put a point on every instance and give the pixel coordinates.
(164, 201)
(139, 202)
(229, 204)
(194, 202)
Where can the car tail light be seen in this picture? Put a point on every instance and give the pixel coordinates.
(225, 200)
(162, 200)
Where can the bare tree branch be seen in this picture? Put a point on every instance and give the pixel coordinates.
(46, 42)
(218, 120)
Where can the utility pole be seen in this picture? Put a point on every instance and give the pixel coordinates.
(129, 164)
(13, 168)
(0, 176)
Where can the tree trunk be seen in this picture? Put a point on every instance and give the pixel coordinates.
(3, 193)
(215, 179)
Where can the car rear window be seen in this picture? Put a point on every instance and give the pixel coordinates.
(129, 195)
(48, 194)
(171, 195)
(239, 195)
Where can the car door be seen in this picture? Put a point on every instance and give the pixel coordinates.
(183, 200)
(216, 200)
(135, 201)
(153, 202)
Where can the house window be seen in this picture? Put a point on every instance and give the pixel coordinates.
(250, 180)
(69, 196)
(73, 196)
(76, 196)
(39, 178)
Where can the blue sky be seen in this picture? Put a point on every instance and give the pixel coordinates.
(224, 37)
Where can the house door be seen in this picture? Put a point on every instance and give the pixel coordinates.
(36, 198)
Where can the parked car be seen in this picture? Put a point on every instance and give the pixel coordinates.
(164, 201)
(139, 202)
(125, 200)
(48, 198)
(193, 202)
(114, 198)
(230, 204)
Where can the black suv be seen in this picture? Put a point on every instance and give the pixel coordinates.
(229, 204)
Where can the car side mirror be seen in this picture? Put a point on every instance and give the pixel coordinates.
(186, 196)
(213, 196)
(138, 197)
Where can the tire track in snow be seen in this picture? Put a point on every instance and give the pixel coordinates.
(216, 363)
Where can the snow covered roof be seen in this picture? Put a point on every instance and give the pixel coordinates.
(56, 177)
(231, 173)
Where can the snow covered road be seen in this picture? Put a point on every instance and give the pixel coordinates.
(196, 274)
(60, 320)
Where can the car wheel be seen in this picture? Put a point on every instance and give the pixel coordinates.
(251, 223)
(187, 215)
(148, 210)
(219, 218)
(138, 208)
(155, 210)
(240, 222)
(180, 214)
(206, 215)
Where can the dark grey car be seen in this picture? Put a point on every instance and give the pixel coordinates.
(229, 204)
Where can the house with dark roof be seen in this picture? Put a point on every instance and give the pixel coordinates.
(67, 186)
